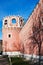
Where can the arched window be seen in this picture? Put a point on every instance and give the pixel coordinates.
(13, 21)
(9, 35)
(5, 22)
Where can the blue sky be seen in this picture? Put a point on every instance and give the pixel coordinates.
(16, 7)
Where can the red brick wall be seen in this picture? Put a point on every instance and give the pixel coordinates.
(26, 32)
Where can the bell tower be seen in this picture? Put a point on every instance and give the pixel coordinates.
(10, 32)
